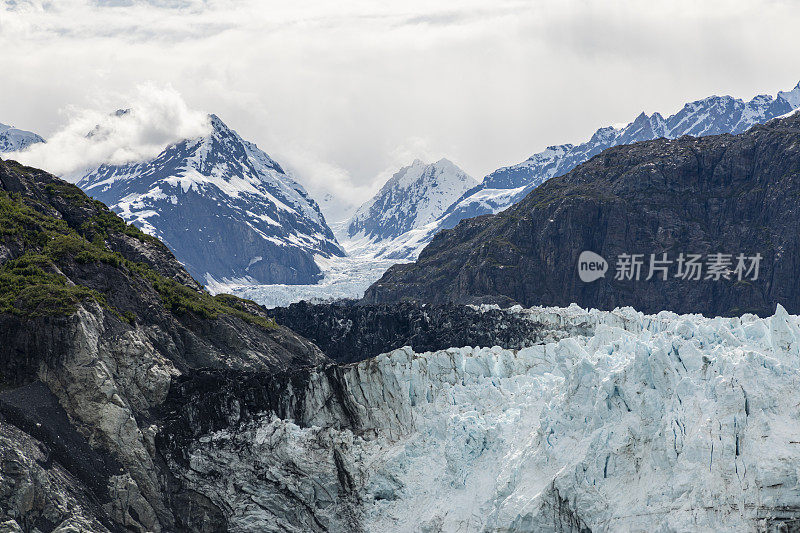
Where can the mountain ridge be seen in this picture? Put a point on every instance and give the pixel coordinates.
(653, 197)
(508, 185)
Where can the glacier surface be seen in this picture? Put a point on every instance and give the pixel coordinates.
(345, 277)
(624, 421)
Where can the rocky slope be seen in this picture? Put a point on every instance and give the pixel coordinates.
(508, 185)
(661, 422)
(13, 139)
(413, 197)
(225, 208)
(96, 320)
(718, 194)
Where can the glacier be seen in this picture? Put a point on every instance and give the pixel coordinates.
(618, 421)
(343, 278)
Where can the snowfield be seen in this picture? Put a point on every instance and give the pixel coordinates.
(649, 423)
(343, 277)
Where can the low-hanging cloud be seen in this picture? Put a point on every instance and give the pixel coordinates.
(152, 118)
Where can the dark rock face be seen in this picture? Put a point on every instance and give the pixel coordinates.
(348, 333)
(34, 409)
(720, 194)
(96, 320)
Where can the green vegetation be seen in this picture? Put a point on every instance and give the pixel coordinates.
(180, 299)
(29, 288)
(102, 222)
(32, 285)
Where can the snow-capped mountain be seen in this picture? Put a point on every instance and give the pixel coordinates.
(13, 139)
(508, 185)
(413, 197)
(226, 209)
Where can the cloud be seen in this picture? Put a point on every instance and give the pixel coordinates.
(331, 186)
(337, 90)
(153, 118)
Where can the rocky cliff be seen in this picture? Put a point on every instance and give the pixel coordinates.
(349, 333)
(96, 321)
(704, 196)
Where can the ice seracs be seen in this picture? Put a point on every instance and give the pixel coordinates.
(228, 211)
(660, 422)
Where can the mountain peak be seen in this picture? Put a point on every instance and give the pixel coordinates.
(216, 122)
(414, 196)
(228, 210)
(13, 139)
(792, 97)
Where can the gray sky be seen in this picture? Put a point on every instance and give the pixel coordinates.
(345, 92)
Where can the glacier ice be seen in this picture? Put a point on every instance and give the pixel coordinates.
(631, 422)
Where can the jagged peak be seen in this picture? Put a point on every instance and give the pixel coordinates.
(792, 97)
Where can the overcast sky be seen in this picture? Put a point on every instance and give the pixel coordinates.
(345, 92)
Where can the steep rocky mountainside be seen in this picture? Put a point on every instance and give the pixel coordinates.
(719, 194)
(413, 197)
(348, 333)
(508, 185)
(227, 210)
(96, 321)
(13, 139)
